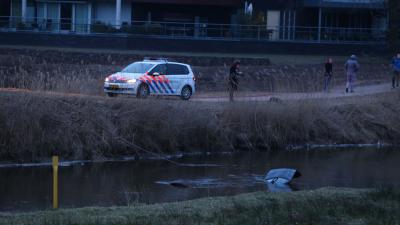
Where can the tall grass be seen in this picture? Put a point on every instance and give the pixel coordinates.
(34, 125)
(85, 72)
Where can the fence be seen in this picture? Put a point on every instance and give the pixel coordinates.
(198, 30)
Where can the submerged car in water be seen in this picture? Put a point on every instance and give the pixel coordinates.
(152, 77)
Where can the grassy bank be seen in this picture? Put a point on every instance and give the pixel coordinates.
(84, 72)
(324, 206)
(273, 58)
(36, 125)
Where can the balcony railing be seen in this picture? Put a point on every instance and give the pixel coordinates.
(372, 4)
(197, 30)
(356, 1)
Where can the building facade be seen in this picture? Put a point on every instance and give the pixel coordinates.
(311, 20)
(76, 15)
(325, 19)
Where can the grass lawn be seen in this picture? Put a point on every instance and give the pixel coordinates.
(323, 206)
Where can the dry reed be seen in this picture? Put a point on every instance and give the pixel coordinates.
(35, 125)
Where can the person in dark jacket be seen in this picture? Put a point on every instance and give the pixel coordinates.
(233, 80)
(396, 71)
(328, 74)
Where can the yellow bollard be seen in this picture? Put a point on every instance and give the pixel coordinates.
(55, 182)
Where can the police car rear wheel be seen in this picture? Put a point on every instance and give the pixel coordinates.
(143, 91)
(111, 94)
(186, 93)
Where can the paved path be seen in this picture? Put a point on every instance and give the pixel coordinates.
(254, 96)
(263, 96)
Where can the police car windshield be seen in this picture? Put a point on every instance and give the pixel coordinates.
(138, 68)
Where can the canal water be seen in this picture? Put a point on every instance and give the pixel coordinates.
(148, 181)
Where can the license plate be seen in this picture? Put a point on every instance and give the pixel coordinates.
(114, 87)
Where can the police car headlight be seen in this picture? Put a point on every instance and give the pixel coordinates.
(107, 79)
(132, 81)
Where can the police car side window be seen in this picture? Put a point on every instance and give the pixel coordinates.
(176, 69)
(161, 69)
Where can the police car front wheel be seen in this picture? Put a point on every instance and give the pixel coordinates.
(186, 93)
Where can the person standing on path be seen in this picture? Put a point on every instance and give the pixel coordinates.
(233, 80)
(352, 68)
(328, 74)
(396, 70)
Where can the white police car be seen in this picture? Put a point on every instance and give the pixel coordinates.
(152, 77)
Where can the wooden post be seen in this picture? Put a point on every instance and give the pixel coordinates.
(55, 182)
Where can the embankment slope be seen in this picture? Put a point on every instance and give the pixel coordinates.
(36, 125)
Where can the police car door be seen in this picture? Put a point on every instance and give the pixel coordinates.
(156, 80)
(177, 76)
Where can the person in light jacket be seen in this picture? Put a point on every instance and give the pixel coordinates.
(352, 66)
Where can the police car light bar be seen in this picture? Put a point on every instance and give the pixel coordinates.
(155, 59)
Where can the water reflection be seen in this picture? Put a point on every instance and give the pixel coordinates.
(279, 187)
(124, 183)
(230, 181)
